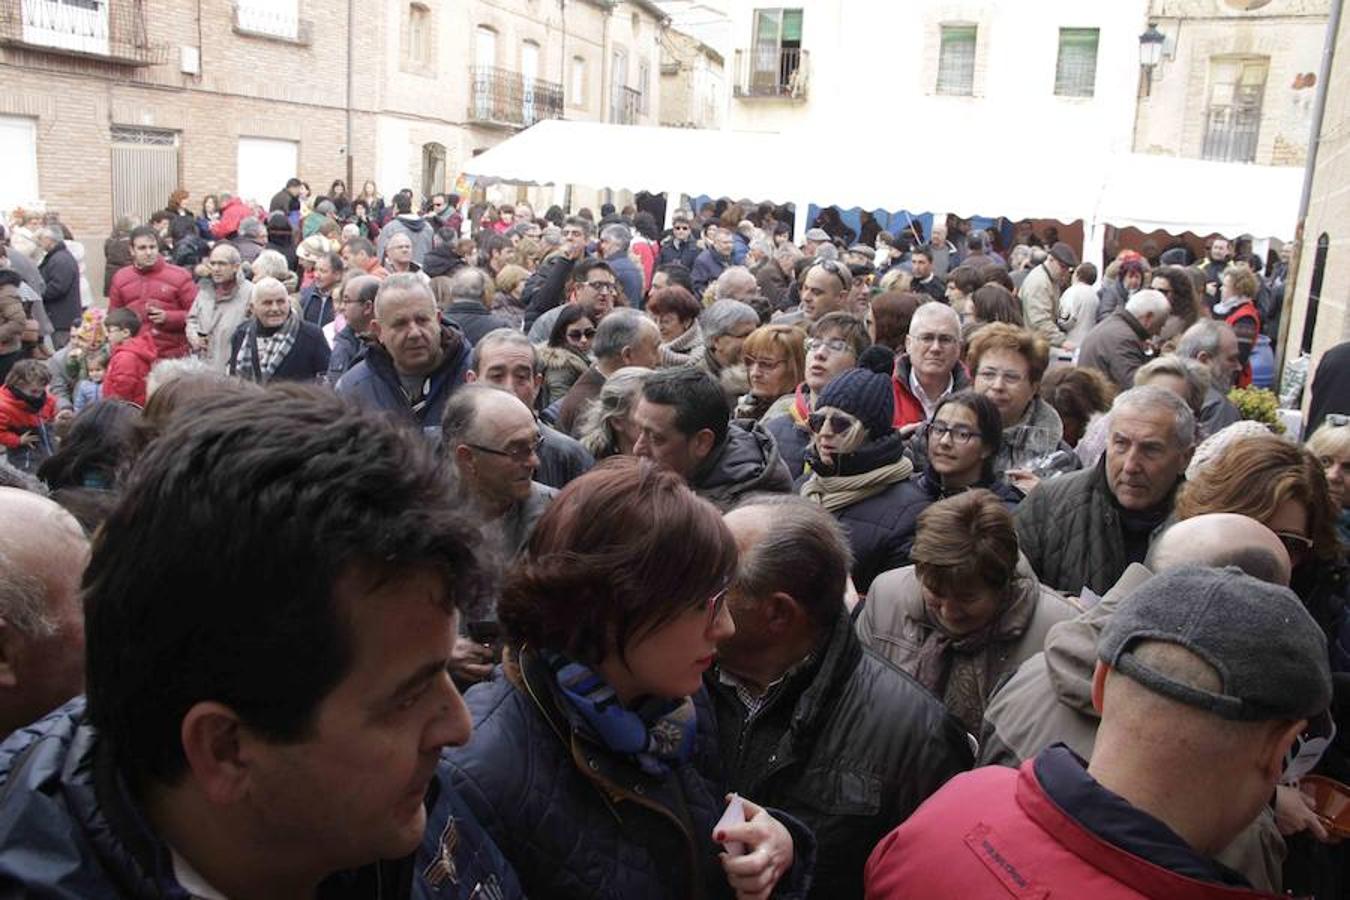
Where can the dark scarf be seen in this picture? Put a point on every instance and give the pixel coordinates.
(657, 735)
(34, 402)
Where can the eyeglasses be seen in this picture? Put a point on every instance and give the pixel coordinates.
(573, 233)
(602, 287)
(519, 453)
(679, 227)
(942, 340)
(833, 345)
(716, 603)
(1298, 545)
(1012, 379)
(839, 422)
(959, 434)
(578, 334)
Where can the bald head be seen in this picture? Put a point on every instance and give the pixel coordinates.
(1222, 539)
(41, 621)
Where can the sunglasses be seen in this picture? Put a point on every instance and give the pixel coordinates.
(578, 334)
(837, 270)
(839, 422)
(1296, 544)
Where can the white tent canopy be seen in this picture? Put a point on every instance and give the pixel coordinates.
(1017, 180)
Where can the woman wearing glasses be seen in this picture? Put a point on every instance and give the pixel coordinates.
(676, 313)
(857, 469)
(1007, 364)
(961, 440)
(611, 618)
(568, 351)
(969, 611)
(1282, 486)
(775, 359)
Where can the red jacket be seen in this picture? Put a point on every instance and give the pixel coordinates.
(128, 367)
(231, 214)
(1247, 310)
(995, 833)
(16, 417)
(908, 409)
(171, 289)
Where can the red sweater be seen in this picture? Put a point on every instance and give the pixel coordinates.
(168, 287)
(995, 833)
(16, 417)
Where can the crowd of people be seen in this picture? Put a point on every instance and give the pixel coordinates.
(358, 548)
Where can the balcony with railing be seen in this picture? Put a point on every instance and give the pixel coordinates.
(772, 72)
(507, 99)
(626, 106)
(110, 31)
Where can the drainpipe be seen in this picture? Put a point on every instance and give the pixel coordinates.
(1309, 170)
(351, 80)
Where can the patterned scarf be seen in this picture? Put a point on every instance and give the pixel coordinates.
(657, 734)
(260, 355)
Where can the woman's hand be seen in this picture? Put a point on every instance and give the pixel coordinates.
(769, 853)
(1022, 479)
(1294, 813)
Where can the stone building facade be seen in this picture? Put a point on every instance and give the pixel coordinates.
(693, 83)
(112, 104)
(1236, 80)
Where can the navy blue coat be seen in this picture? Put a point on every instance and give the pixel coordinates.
(792, 440)
(70, 830)
(708, 266)
(374, 381)
(309, 357)
(578, 821)
(630, 277)
(61, 290)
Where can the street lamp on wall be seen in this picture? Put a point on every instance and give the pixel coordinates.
(1150, 52)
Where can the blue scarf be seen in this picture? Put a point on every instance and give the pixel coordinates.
(656, 735)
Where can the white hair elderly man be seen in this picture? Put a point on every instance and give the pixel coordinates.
(1118, 345)
(41, 620)
(735, 283)
(61, 283)
(1214, 344)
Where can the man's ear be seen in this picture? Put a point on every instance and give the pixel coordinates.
(782, 612)
(218, 751)
(702, 442)
(9, 649)
(470, 376)
(1279, 738)
(375, 329)
(1099, 685)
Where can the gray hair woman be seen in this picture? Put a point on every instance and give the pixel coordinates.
(607, 427)
(725, 325)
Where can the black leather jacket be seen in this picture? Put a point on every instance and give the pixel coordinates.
(849, 745)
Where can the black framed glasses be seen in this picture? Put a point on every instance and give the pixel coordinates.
(580, 333)
(603, 287)
(520, 453)
(959, 434)
(839, 422)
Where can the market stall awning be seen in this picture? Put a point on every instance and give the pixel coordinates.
(1060, 180)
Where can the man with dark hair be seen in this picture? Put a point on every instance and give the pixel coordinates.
(671, 275)
(287, 199)
(419, 230)
(316, 298)
(803, 707)
(160, 294)
(359, 253)
(925, 281)
(625, 337)
(682, 414)
(279, 734)
(592, 282)
(680, 247)
(495, 251)
(418, 360)
(506, 359)
(546, 289)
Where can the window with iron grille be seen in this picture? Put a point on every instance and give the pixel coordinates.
(1237, 87)
(956, 61)
(1076, 70)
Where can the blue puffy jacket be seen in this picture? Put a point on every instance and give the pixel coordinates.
(69, 830)
(577, 821)
(374, 382)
